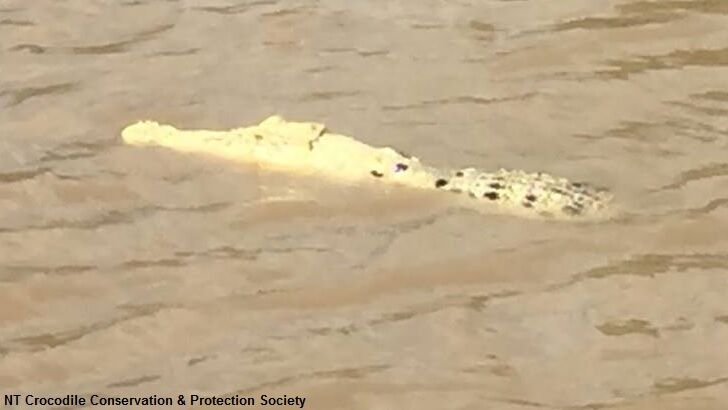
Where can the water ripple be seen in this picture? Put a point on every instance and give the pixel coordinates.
(20, 95)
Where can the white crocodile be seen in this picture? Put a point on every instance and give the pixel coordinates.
(307, 147)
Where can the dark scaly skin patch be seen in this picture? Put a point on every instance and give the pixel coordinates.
(541, 193)
(571, 210)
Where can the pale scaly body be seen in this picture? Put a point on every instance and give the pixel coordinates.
(305, 147)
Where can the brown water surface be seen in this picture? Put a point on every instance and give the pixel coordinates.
(129, 272)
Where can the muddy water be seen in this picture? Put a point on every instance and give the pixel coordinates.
(130, 272)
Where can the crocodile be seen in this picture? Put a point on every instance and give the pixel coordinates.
(309, 147)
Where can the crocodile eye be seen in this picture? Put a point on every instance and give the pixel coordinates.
(376, 173)
(400, 167)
